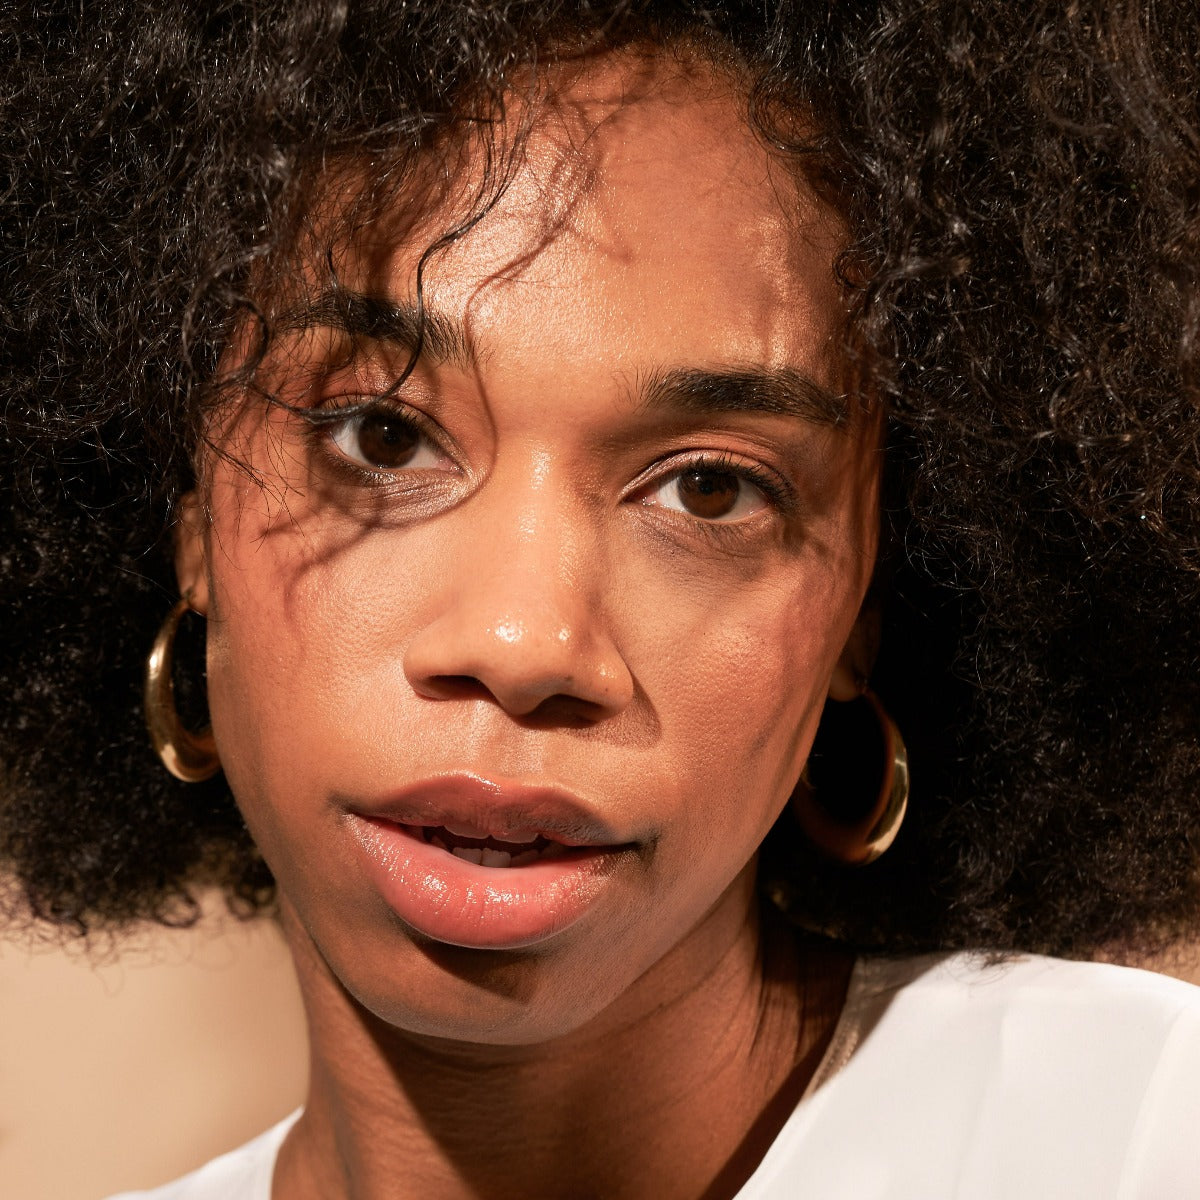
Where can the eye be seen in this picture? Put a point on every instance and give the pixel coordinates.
(709, 492)
(385, 441)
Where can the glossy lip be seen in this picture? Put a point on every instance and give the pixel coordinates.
(460, 903)
(504, 809)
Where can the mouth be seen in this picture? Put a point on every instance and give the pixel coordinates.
(474, 863)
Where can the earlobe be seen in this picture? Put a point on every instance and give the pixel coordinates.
(852, 797)
(191, 551)
(857, 660)
(847, 682)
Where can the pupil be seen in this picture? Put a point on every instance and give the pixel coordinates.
(709, 493)
(386, 441)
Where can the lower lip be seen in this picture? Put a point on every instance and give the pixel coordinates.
(485, 908)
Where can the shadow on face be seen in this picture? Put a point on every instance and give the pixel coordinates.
(567, 522)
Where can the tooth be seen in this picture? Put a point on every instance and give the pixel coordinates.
(472, 856)
(495, 858)
(519, 860)
(517, 837)
(467, 831)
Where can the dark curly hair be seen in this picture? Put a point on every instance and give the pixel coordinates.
(1022, 186)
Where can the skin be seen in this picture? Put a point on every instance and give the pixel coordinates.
(532, 600)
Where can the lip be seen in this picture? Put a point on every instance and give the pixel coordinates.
(462, 903)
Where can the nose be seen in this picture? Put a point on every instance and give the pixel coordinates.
(520, 615)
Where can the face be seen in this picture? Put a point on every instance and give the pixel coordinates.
(512, 670)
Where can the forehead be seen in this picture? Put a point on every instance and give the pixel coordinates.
(636, 203)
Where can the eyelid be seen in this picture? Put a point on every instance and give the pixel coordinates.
(777, 489)
(332, 410)
(330, 413)
(337, 410)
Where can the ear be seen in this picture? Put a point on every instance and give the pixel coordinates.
(858, 656)
(191, 551)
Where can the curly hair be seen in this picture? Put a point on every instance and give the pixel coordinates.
(1022, 187)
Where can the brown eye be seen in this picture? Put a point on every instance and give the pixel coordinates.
(385, 441)
(714, 493)
(708, 494)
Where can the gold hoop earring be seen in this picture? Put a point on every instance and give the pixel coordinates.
(189, 756)
(837, 825)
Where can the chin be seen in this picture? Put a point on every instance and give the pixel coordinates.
(457, 994)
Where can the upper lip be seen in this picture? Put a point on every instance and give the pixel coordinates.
(507, 810)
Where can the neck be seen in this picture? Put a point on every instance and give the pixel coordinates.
(676, 1092)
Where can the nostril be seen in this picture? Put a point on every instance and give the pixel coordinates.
(557, 709)
(456, 687)
(563, 710)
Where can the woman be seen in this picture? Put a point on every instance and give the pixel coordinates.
(558, 413)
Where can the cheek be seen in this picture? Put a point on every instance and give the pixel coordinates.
(309, 621)
(272, 632)
(740, 673)
(743, 693)
(738, 686)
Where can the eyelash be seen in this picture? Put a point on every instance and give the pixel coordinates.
(323, 421)
(723, 463)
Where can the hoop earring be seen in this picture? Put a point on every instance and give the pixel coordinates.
(189, 756)
(840, 829)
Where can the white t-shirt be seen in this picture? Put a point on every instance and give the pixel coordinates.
(951, 1079)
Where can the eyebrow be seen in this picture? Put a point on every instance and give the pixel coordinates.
(776, 391)
(402, 323)
(752, 388)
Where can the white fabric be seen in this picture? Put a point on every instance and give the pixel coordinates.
(242, 1174)
(1034, 1079)
(952, 1079)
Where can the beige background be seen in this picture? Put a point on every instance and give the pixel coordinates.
(129, 1072)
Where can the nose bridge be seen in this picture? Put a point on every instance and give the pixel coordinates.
(532, 529)
(520, 612)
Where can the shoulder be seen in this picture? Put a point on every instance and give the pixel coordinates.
(1031, 1021)
(242, 1174)
(970, 988)
(976, 1078)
